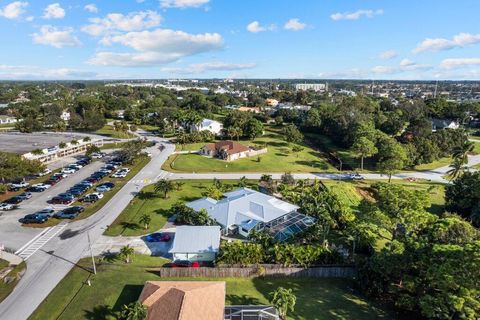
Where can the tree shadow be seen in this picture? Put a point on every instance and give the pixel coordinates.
(130, 293)
(130, 225)
(314, 164)
(109, 257)
(146, 195)
(163, 212)
(242, 300)
(100, 312)
(281, 154)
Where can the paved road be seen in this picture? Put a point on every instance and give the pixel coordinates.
(47, 267)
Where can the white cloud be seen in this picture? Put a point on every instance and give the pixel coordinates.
(157, 47)
(406, 63)
(54, 11)
(117, 22)
(182, 3)
(13, 10)
(210, 66)
(55, 37)
(441, 44)
(8, 72)
(454, 63)
(92, 8)
(387, 55)
(356, 15)
(294, 24)
(255, 27)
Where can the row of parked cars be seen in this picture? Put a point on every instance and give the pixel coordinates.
(43, 215)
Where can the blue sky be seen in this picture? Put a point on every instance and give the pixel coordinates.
(362, 39)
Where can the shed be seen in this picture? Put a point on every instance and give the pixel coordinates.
(196, 243)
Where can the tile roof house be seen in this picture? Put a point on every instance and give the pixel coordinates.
(226, 150)
(196, 243)
(184, 300)
(245, 209)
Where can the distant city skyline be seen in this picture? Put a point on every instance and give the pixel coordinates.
(305, 39)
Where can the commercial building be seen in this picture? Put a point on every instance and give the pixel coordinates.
(317, 87)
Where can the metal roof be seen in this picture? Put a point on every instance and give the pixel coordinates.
(196, 239)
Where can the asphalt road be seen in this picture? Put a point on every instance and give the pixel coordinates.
(47, 267)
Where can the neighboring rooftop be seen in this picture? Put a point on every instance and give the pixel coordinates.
(22, 143)
(230, 147)
(196, 239)
(184, 300)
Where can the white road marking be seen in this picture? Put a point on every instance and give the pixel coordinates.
(38, 242)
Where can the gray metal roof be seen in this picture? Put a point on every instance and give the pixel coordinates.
(243, 204)
(196, 239)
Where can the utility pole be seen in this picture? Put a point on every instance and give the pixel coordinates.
(91, 253)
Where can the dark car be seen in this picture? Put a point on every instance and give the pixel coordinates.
(76, 191)
(34, 218)
(14, 200)
(60, 200)
(69, 213)
(90, 198)
(35, 189)
(185, 264)
(158, 237)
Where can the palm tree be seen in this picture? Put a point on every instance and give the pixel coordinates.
(134, 311)
(284, 301)
(126, 253)
(462, 152)
(235, 132)
(179, 185)
(457, 168)
(164, 186)
(145, 219)
(242, 182)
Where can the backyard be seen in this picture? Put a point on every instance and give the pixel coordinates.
(117, 283)
(279, 158)
(148, 202)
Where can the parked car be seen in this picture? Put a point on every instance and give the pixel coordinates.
(76, 165)
(60, 175)
(14, 200)
(104, 187)
(92, 197)
(25, 195)
(185, 264)
(119, 175)
(97, 155)
(44, 173)
(127, 170)
(67, 170)
(35, 189)
(18, 185)
(355, 176)
(60, 200)
(42, 185)
(69, 213)
(76, 191)
(34, 218)
(46, 211)
(7, 206)
(86, 183)
(158, 237)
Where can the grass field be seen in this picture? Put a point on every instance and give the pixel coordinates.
(147, 202)
(91, 208)
(109, 131)
(5, 288)
(279, 158)
(117, 284)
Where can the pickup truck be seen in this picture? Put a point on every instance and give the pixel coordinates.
(18, 185)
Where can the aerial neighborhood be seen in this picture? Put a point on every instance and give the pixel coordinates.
(239, 160)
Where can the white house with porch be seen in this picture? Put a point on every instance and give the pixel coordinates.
(213, 126)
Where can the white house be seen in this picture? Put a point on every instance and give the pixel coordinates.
(244, 209)
(7, 119)
(439, 124)
(196, 243)
(213, 126)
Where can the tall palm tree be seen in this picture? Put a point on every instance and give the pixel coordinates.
(126, 252)
(145, 219)
(461, 153)
(284, 301)
(457, 169)
(242, 182)
(134, 311)
(164, 186)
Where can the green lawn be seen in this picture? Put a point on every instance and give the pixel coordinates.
(147, 202)
(5, 288)
(91, 208)
(442, 162)
(279, 158)
(117, 284)
(109, 131)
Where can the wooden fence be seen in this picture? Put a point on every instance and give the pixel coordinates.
(333, 271)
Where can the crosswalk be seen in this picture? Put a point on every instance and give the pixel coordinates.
(162, 175)
(40, 240)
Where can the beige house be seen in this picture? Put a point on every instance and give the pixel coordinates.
(229, 150)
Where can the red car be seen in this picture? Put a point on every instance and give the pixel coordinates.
(185, 264)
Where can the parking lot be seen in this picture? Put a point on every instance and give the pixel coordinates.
(12, 234)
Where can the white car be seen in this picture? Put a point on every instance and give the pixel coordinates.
(119, 175)
(127, 170)
(19, 185)
(6, 206)
(44, 173)
(75, 166)
(41, 185)
(97, 155)
(68, 170)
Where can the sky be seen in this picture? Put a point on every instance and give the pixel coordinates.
(317, 39)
